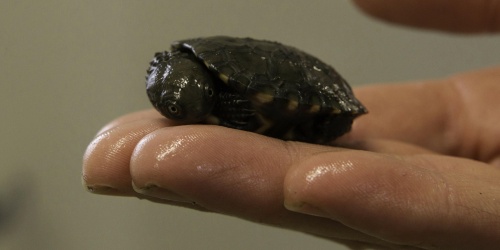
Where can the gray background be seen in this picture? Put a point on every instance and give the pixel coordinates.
(68, 67)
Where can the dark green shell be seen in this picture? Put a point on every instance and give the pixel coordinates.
(296, 96)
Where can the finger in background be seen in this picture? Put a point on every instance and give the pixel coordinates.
(465, 16)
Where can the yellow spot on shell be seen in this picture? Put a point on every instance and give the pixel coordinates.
(336, 111)
(315, 102)
(314, 108)
(293, 101)
(224, 78)
(266, 124)
(292, 105)
(264, 98)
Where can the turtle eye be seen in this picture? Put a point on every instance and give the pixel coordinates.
(174, 110)
(210, 92)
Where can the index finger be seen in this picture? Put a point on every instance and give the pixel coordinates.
(448, 15)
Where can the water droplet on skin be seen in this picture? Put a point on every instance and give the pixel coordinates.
(333, 168)
(168, 150)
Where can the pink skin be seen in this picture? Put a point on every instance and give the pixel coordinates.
(426, 178)
(423, 174)
(464, 16)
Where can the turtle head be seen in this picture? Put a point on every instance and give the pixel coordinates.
(180, 87)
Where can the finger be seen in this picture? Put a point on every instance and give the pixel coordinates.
(131, 117)
(107, 158)
(215, 158)
(386, 146)
(230, 172)
(448, 15)
(427, 201)
(455, 116)
(402, 112)
(106, 163)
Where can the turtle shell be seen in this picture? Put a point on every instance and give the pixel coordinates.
(295, 95)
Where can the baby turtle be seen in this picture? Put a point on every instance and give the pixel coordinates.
(253, 85)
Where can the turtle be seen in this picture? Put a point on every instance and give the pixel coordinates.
(254, 85)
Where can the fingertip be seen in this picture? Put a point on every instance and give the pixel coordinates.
(106, 160)
(155, 156)
(366, 191)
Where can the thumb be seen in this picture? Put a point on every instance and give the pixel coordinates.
(421, 200)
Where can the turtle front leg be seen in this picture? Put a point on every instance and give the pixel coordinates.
(233, 111)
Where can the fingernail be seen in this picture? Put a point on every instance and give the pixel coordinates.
(154, 190)
(305, 208)
(101, 189)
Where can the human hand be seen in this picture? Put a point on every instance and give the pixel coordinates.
(399, 190)
(424, 175)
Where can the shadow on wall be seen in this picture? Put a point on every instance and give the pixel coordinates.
(15, 192)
